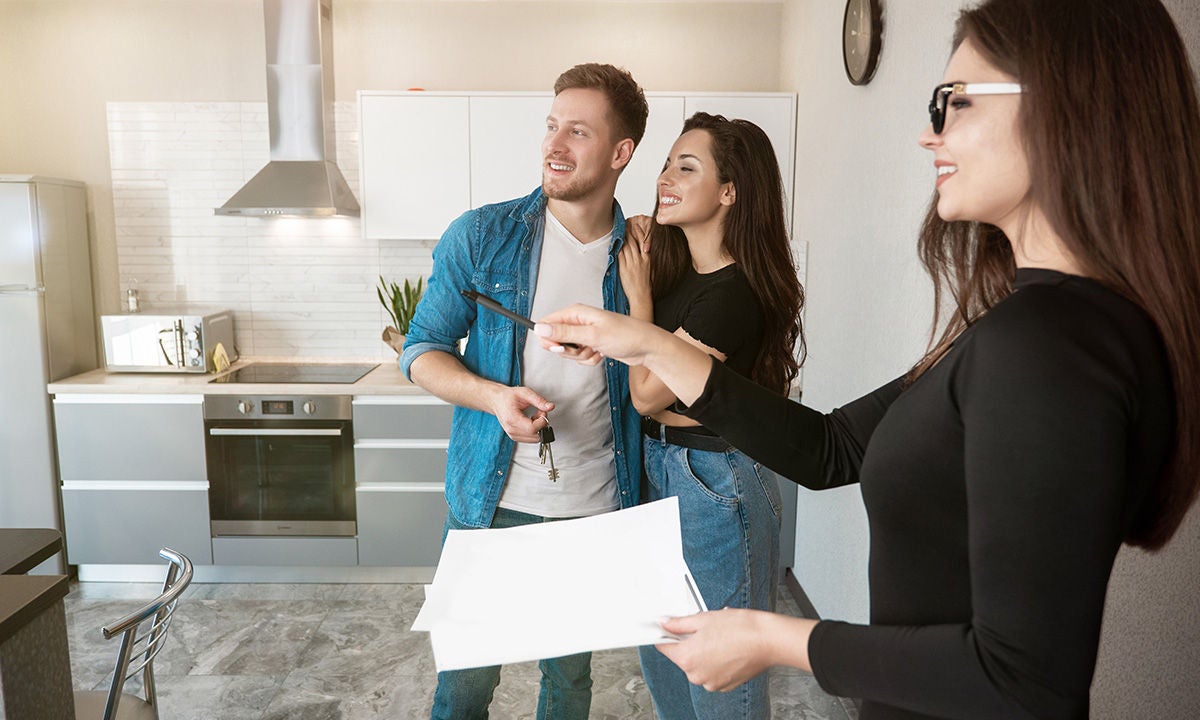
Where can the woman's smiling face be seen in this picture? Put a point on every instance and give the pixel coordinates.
(690, 191)
(982, 169)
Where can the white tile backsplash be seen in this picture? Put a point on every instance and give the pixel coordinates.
(297, 287)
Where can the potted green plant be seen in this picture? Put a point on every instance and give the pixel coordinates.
(400, 303)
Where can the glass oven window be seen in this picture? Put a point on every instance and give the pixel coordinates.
(282, 477)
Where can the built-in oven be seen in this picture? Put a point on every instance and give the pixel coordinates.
(280, 465)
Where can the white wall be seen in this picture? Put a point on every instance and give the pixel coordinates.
(525, 44)
(862, 185)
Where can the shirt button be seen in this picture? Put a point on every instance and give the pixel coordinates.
(611, 363)
(614, 407)
(497, 286)
(499, 473)
(523, 293)
(618, 452)
(624, 493)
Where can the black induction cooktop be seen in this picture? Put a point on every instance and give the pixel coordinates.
(272, 373)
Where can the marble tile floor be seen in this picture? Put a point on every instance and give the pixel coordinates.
(344, 652)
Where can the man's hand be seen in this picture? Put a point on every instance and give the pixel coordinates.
(509, 404)
(446, 377)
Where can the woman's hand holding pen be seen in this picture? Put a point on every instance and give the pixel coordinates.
(606, 334)
(599, 333)
(723, 649)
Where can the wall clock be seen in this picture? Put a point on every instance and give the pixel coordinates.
(862, 38)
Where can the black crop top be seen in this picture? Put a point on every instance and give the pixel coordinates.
(720, 310)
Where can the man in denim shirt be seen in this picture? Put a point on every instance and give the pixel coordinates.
(556, 246)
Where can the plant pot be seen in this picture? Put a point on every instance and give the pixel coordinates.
(393, 338)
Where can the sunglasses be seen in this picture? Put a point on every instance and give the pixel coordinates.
(942, 93)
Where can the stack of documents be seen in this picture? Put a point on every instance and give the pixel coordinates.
(558, 588)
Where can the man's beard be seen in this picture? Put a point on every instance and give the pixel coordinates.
(571, 190)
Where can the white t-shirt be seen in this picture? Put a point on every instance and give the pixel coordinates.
(569, 272)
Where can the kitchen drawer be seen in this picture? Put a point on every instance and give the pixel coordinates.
(400, 524)
(120, 438)
(404, 418)
(399, 461)
(285, 551)
(126, 523)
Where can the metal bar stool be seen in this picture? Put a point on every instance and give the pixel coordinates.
(143, 633)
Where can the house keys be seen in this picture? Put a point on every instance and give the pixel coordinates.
(545, 437)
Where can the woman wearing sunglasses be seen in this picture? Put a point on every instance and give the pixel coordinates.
(714, 268)
(1056, 416)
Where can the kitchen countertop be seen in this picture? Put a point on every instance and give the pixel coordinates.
(23, 549)
(383, 380)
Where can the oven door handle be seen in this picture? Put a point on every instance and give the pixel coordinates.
(276, 432)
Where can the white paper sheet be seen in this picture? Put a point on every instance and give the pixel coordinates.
(552, 589)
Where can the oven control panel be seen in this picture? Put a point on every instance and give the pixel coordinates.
(285, 407)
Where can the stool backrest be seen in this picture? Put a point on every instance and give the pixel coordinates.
(144, 632)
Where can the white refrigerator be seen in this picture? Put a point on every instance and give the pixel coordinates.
(47, 332)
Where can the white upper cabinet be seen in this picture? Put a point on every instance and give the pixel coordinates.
(427, 157)
(416, 164)
(506, 146)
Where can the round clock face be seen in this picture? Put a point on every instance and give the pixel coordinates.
(862, 29)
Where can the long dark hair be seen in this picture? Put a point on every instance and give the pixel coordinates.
(1111, 129)
(755, 235)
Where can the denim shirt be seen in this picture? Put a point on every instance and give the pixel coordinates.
(495, 250)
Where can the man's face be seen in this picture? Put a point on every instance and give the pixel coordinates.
(580, 156)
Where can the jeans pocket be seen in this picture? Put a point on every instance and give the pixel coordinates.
(769, 482)
(713, 475)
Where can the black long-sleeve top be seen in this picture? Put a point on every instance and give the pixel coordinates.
(998, 487)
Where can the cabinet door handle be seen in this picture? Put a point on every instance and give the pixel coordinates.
(22, 290)
(138, 485)
(423, 487)
(401, 444)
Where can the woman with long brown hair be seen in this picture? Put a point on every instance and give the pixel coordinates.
(1055, 416)
(713, 267)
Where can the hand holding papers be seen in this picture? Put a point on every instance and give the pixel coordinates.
(558, 588)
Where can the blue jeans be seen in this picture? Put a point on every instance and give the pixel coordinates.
(566, 689)
(729, 511)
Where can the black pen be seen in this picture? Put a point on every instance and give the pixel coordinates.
(496, 307)
(695, 594)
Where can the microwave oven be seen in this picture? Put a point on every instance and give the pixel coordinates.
(175, 342)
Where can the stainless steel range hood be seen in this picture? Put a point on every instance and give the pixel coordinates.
(301, 178)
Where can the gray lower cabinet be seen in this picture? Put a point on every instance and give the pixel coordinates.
(401, 417)
(133, 477)
(129, 526)
(400, 526)
(134, 481)
(400, 468)
(130, 437)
